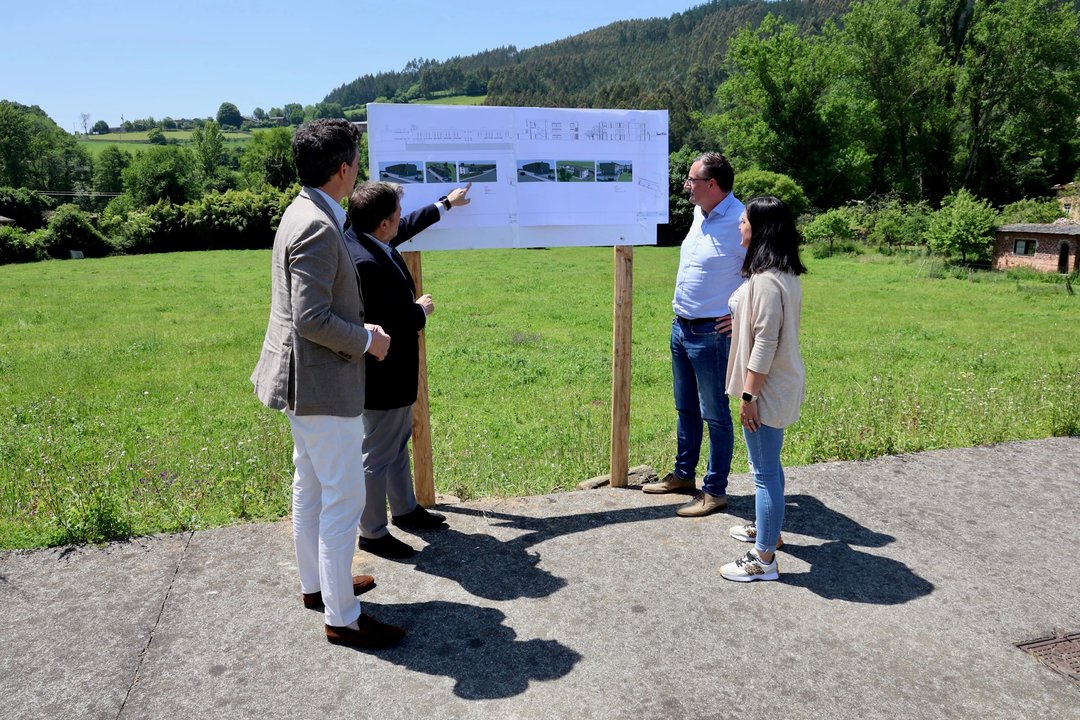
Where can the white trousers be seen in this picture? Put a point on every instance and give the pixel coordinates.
(387, 474)
(328, 499)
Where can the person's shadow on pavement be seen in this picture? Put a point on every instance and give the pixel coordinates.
(838, 572)
(471, 645)
(507, 569)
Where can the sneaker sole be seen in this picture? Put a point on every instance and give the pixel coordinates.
(751, 578)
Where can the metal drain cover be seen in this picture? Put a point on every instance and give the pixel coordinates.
(1061, 654)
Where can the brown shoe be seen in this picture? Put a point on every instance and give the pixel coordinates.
(703, 504)
(372, 634)
(670, 483)
(360, 585)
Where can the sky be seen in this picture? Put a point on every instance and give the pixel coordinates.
(182, 60)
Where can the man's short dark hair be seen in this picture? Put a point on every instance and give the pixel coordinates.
(321, 146)
(716, 166)
(372, 202)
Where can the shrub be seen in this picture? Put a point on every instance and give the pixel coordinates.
(1031, 211)
(70, 229)
(964, 224)
(168, 228)
(893, 224)
(24, 206)
(237, 219)
(134, 233)
(753, 183)
(19, 246)
(832, 226)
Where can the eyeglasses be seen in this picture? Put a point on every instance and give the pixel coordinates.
(692, 180)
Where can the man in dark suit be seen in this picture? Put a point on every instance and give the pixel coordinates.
(312, 368)
(391, 386)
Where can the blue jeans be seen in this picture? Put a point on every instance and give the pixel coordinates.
(763, 446)
(699, 357)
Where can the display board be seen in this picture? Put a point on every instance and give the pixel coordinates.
(541, 177)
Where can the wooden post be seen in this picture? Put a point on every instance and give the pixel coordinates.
(620, 364)
(423, 471)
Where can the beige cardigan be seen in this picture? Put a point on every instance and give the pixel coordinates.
(765, 338)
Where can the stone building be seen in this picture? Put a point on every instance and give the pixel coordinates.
(1047, 248)
(1068, 196)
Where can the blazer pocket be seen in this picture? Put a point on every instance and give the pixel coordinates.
(310, 354)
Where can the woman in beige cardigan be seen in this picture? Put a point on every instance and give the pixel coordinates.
(766, 371)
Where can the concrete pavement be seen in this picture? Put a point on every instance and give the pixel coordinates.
(905, 584)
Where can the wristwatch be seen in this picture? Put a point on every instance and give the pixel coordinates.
(747, 397)
(445, 203)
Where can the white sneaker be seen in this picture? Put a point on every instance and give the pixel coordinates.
(748, 533)
(749, 568)
(745, 533)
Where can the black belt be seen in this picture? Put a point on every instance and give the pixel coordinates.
(690, 321)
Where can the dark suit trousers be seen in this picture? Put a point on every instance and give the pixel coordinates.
(387, 473)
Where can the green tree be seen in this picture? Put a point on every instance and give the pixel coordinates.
(35, 153)
(895, 65)
(161, 173)
(258, 113)
(208, 142)
(109, 168)
(294, 113)
(752, 183)
(329, 110)
(154, 136)
(779, 112)
(838, 224)
(229, 115)
(964, 224)
(1017, 96)
(100, 127)
(268, 159)
(15, 132)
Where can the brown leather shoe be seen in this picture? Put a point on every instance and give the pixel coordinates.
(360, 585)
(702, 504)
(372, 634)
(670, 483)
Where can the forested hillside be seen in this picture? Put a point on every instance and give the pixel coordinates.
(674, 63)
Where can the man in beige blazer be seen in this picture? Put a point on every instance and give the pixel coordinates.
(312, 368)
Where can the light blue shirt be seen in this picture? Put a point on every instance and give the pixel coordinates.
(335, 206)
(710, 262)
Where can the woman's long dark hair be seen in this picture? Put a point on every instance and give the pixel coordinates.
(774, 240)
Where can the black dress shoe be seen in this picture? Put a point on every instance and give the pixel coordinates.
(371, 635)
(420, 519)
(387, 546)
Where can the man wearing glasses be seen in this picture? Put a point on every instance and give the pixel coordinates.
(710, 265)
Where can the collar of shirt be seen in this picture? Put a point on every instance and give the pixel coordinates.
(385, 246)
(722, 207)
(339, 212)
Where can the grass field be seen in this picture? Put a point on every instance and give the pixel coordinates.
(133, 141)
(455, 100)
(127, 408)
